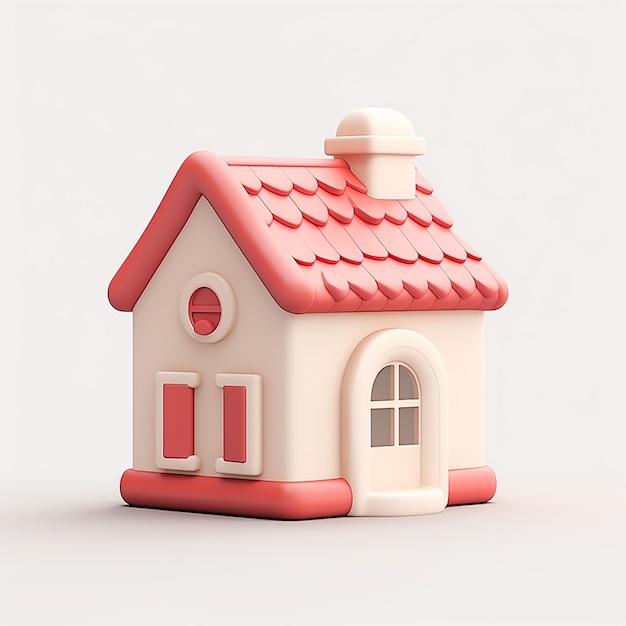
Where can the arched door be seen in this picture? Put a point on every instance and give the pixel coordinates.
(395, 425)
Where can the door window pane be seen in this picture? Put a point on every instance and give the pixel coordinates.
(409, 426)
(382, 427)
(383, 384)
(408, 384)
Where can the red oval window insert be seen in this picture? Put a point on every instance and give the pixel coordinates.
(204, 311)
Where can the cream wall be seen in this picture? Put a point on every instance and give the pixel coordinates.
(318, 351)
(301, 359)
(254, 345)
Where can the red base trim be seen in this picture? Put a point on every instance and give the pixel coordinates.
(471, 486)
(275, 499)
(234, 496)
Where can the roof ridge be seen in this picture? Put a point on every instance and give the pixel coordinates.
(284, 161)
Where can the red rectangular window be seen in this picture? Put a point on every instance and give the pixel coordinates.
(178, 421)
(235, 423)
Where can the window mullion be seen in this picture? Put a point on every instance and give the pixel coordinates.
(396, 410)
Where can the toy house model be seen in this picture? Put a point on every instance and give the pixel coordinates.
(308, 336)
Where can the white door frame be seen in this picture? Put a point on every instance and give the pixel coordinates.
(370, 356)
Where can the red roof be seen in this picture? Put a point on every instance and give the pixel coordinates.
(317, 241)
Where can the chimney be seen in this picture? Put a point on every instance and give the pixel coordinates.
(380, 147)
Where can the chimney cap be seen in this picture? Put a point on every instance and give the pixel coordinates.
(374, 130)
(374, 121)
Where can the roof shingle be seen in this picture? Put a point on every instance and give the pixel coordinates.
(317, 241)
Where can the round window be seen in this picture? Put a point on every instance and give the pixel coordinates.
(205, 311)
(207, 307)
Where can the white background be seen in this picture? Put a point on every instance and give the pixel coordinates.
(522, 106)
